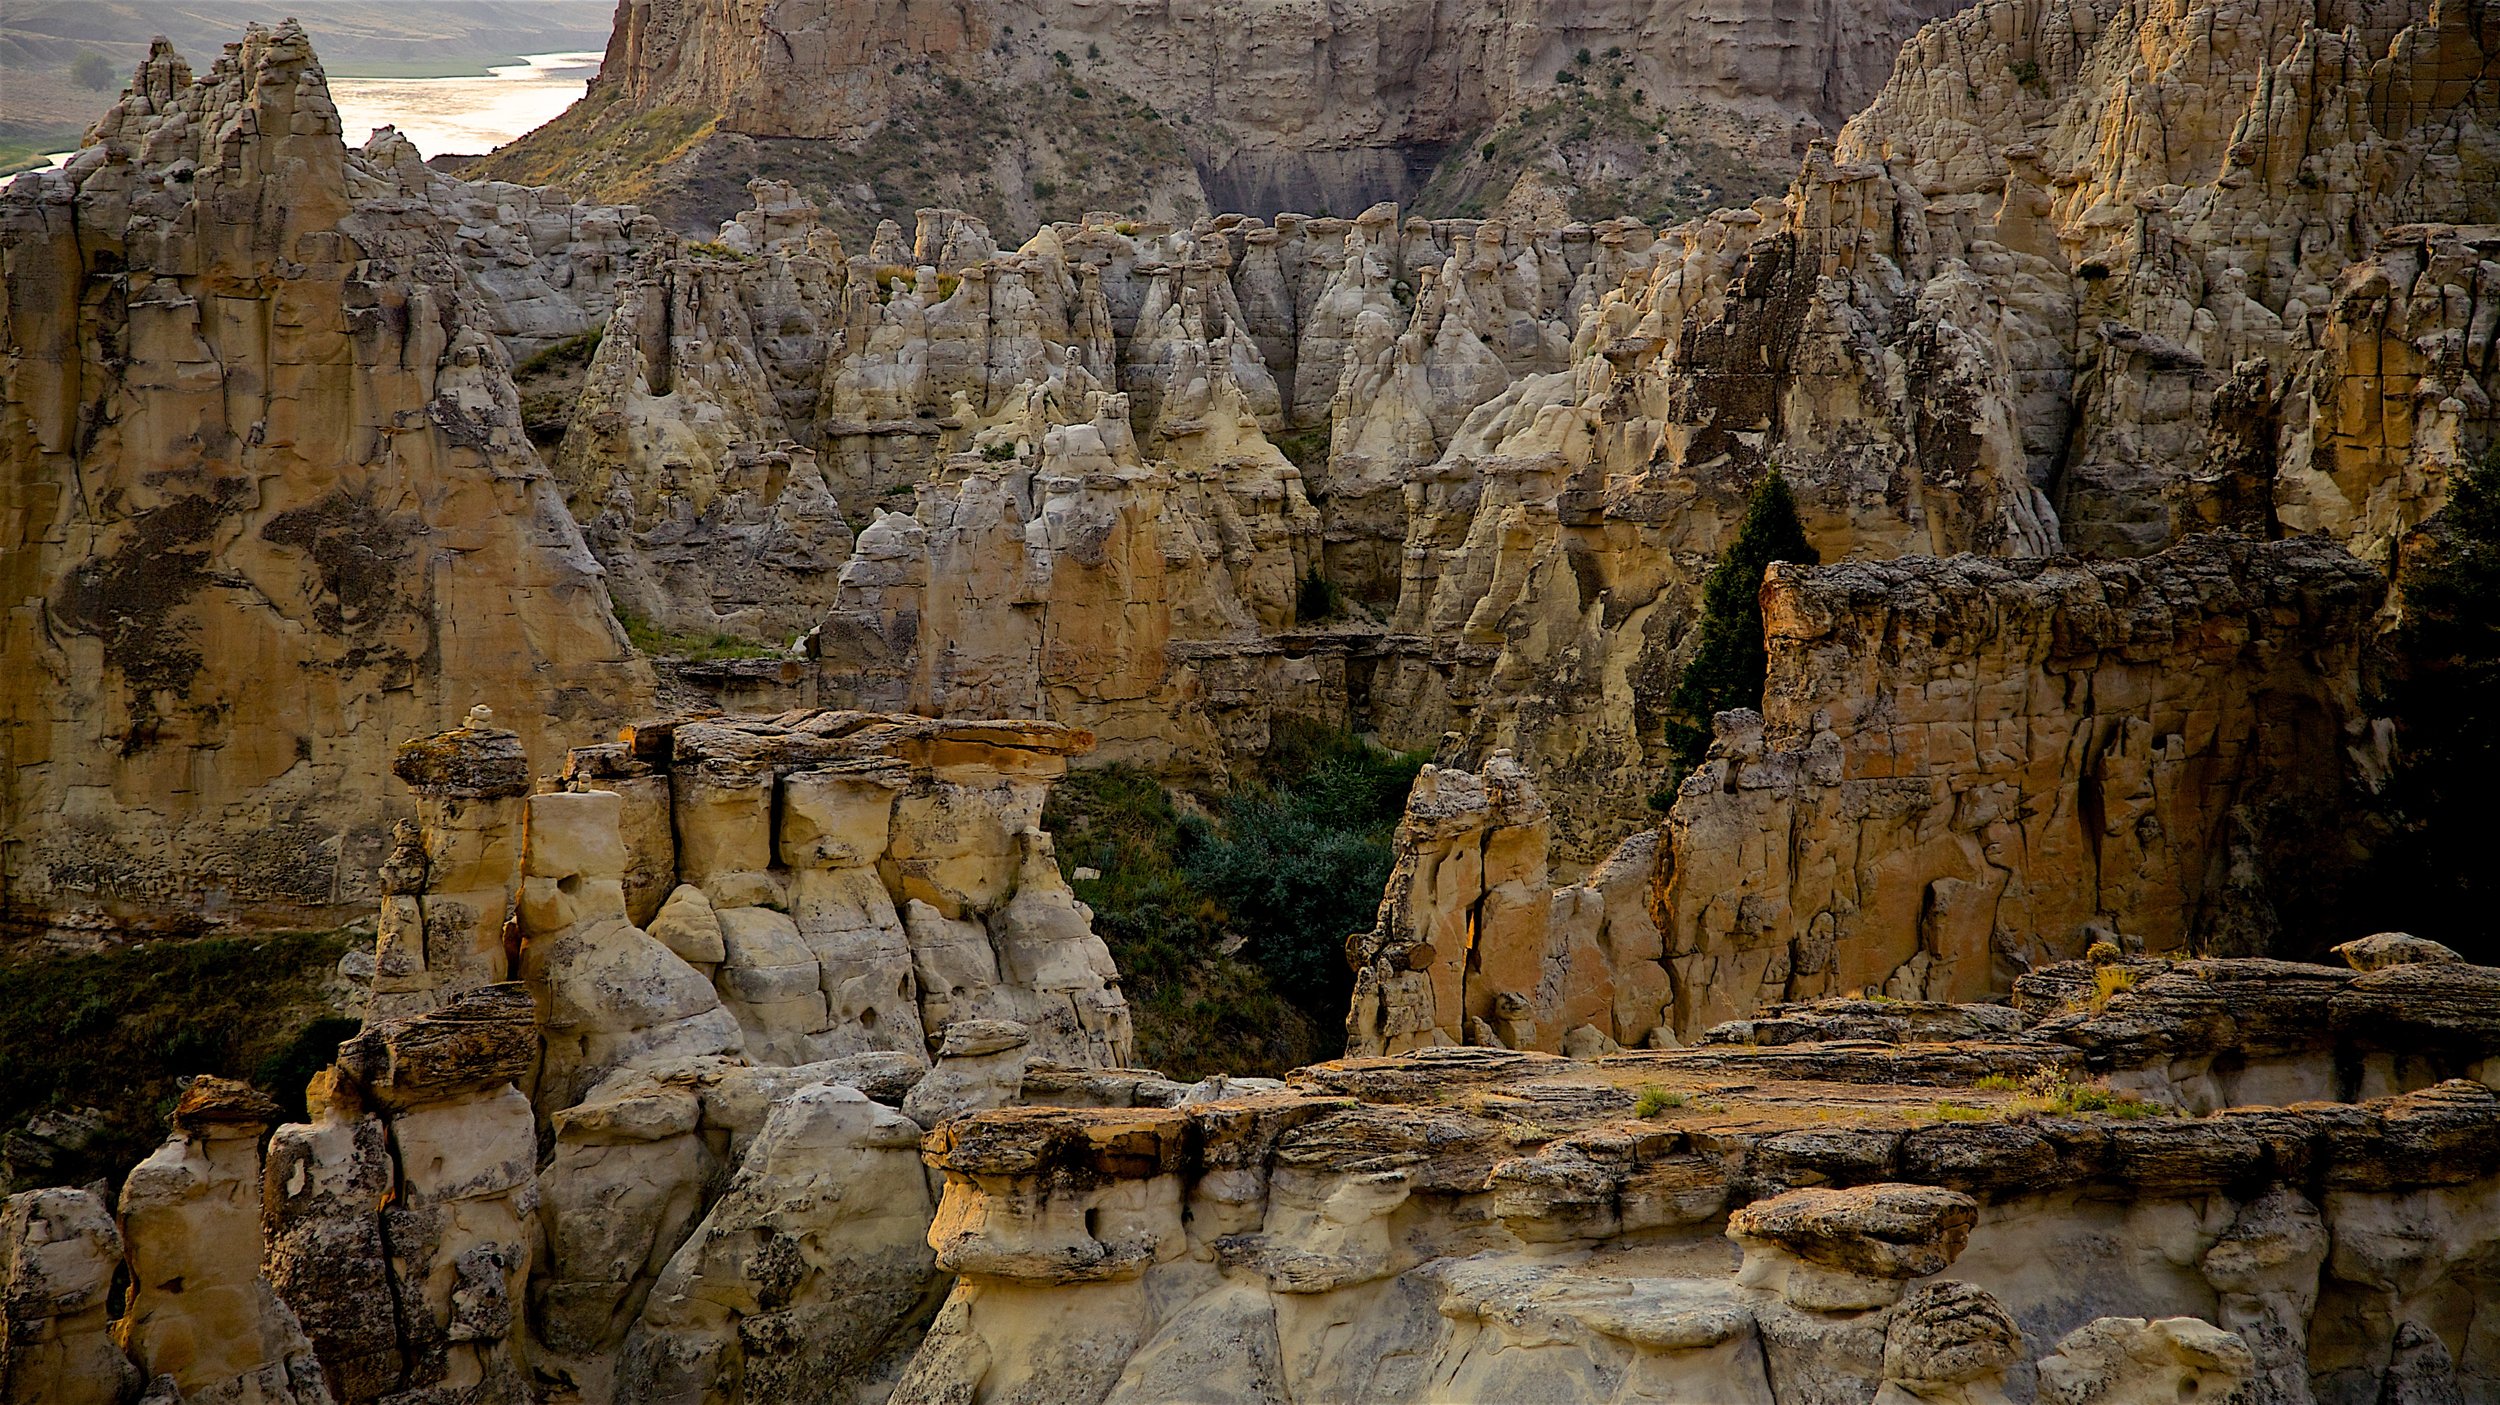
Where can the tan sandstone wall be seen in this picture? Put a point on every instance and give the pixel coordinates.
(269, 508)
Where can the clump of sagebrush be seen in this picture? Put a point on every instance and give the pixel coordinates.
(572, 353)
(2444, 696)
(1228, 918)
(116, 1030)
(1729, 664)
(1653, 1101)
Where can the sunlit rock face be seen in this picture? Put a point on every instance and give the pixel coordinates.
(270, 510)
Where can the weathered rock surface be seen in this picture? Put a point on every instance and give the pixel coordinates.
(869, 879)
(1965, 770)
(1255, 106)
(58, 1253)
(2233, 1173)
(1458, 1223)
(1952, 336)
(269, 509)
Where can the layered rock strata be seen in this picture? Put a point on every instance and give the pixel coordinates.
(1764, 1221)
(1965, 769)
(1260, 107)
(680, 1163)
(2225, 1173)
(2006, 316)
(269, 508)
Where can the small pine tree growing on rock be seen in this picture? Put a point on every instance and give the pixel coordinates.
(1728, 667)
(2437, 875)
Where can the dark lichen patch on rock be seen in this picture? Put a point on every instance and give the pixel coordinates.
(358, 552)
(134, 597)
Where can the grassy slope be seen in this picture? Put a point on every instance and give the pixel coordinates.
(115, 1030)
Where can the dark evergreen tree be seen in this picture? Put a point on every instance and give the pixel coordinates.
(2439, 879)
(1728, 667)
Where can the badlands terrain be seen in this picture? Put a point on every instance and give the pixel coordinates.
(1715, 704)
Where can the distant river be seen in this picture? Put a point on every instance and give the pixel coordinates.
(465, 116)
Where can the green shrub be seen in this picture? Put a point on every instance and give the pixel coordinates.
(286, 1071)
(91, 70)
(564, 355)
(1317, 599)
(998, 452)
(651, 640)
(1229, 927)
(1729, 665)
(117, 1029)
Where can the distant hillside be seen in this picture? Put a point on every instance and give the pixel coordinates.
(44, 106)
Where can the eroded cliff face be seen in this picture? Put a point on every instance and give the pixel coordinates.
(1254, 107)
(270, 506)
(2008, 314)
(1964, 770)
(751, 959)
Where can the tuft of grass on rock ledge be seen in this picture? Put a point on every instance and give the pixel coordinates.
(117, 1030)
(652, 641)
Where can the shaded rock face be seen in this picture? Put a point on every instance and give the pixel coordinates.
(270, 509)
(1965, 770)
(1279, 108)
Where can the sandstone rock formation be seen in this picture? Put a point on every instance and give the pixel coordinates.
(2117, 354)
(1968, 769)
(1471, 947)
(270, 509)
(1461, 1223)
(58, 1253)
(1995, 317)
(619, 1175)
